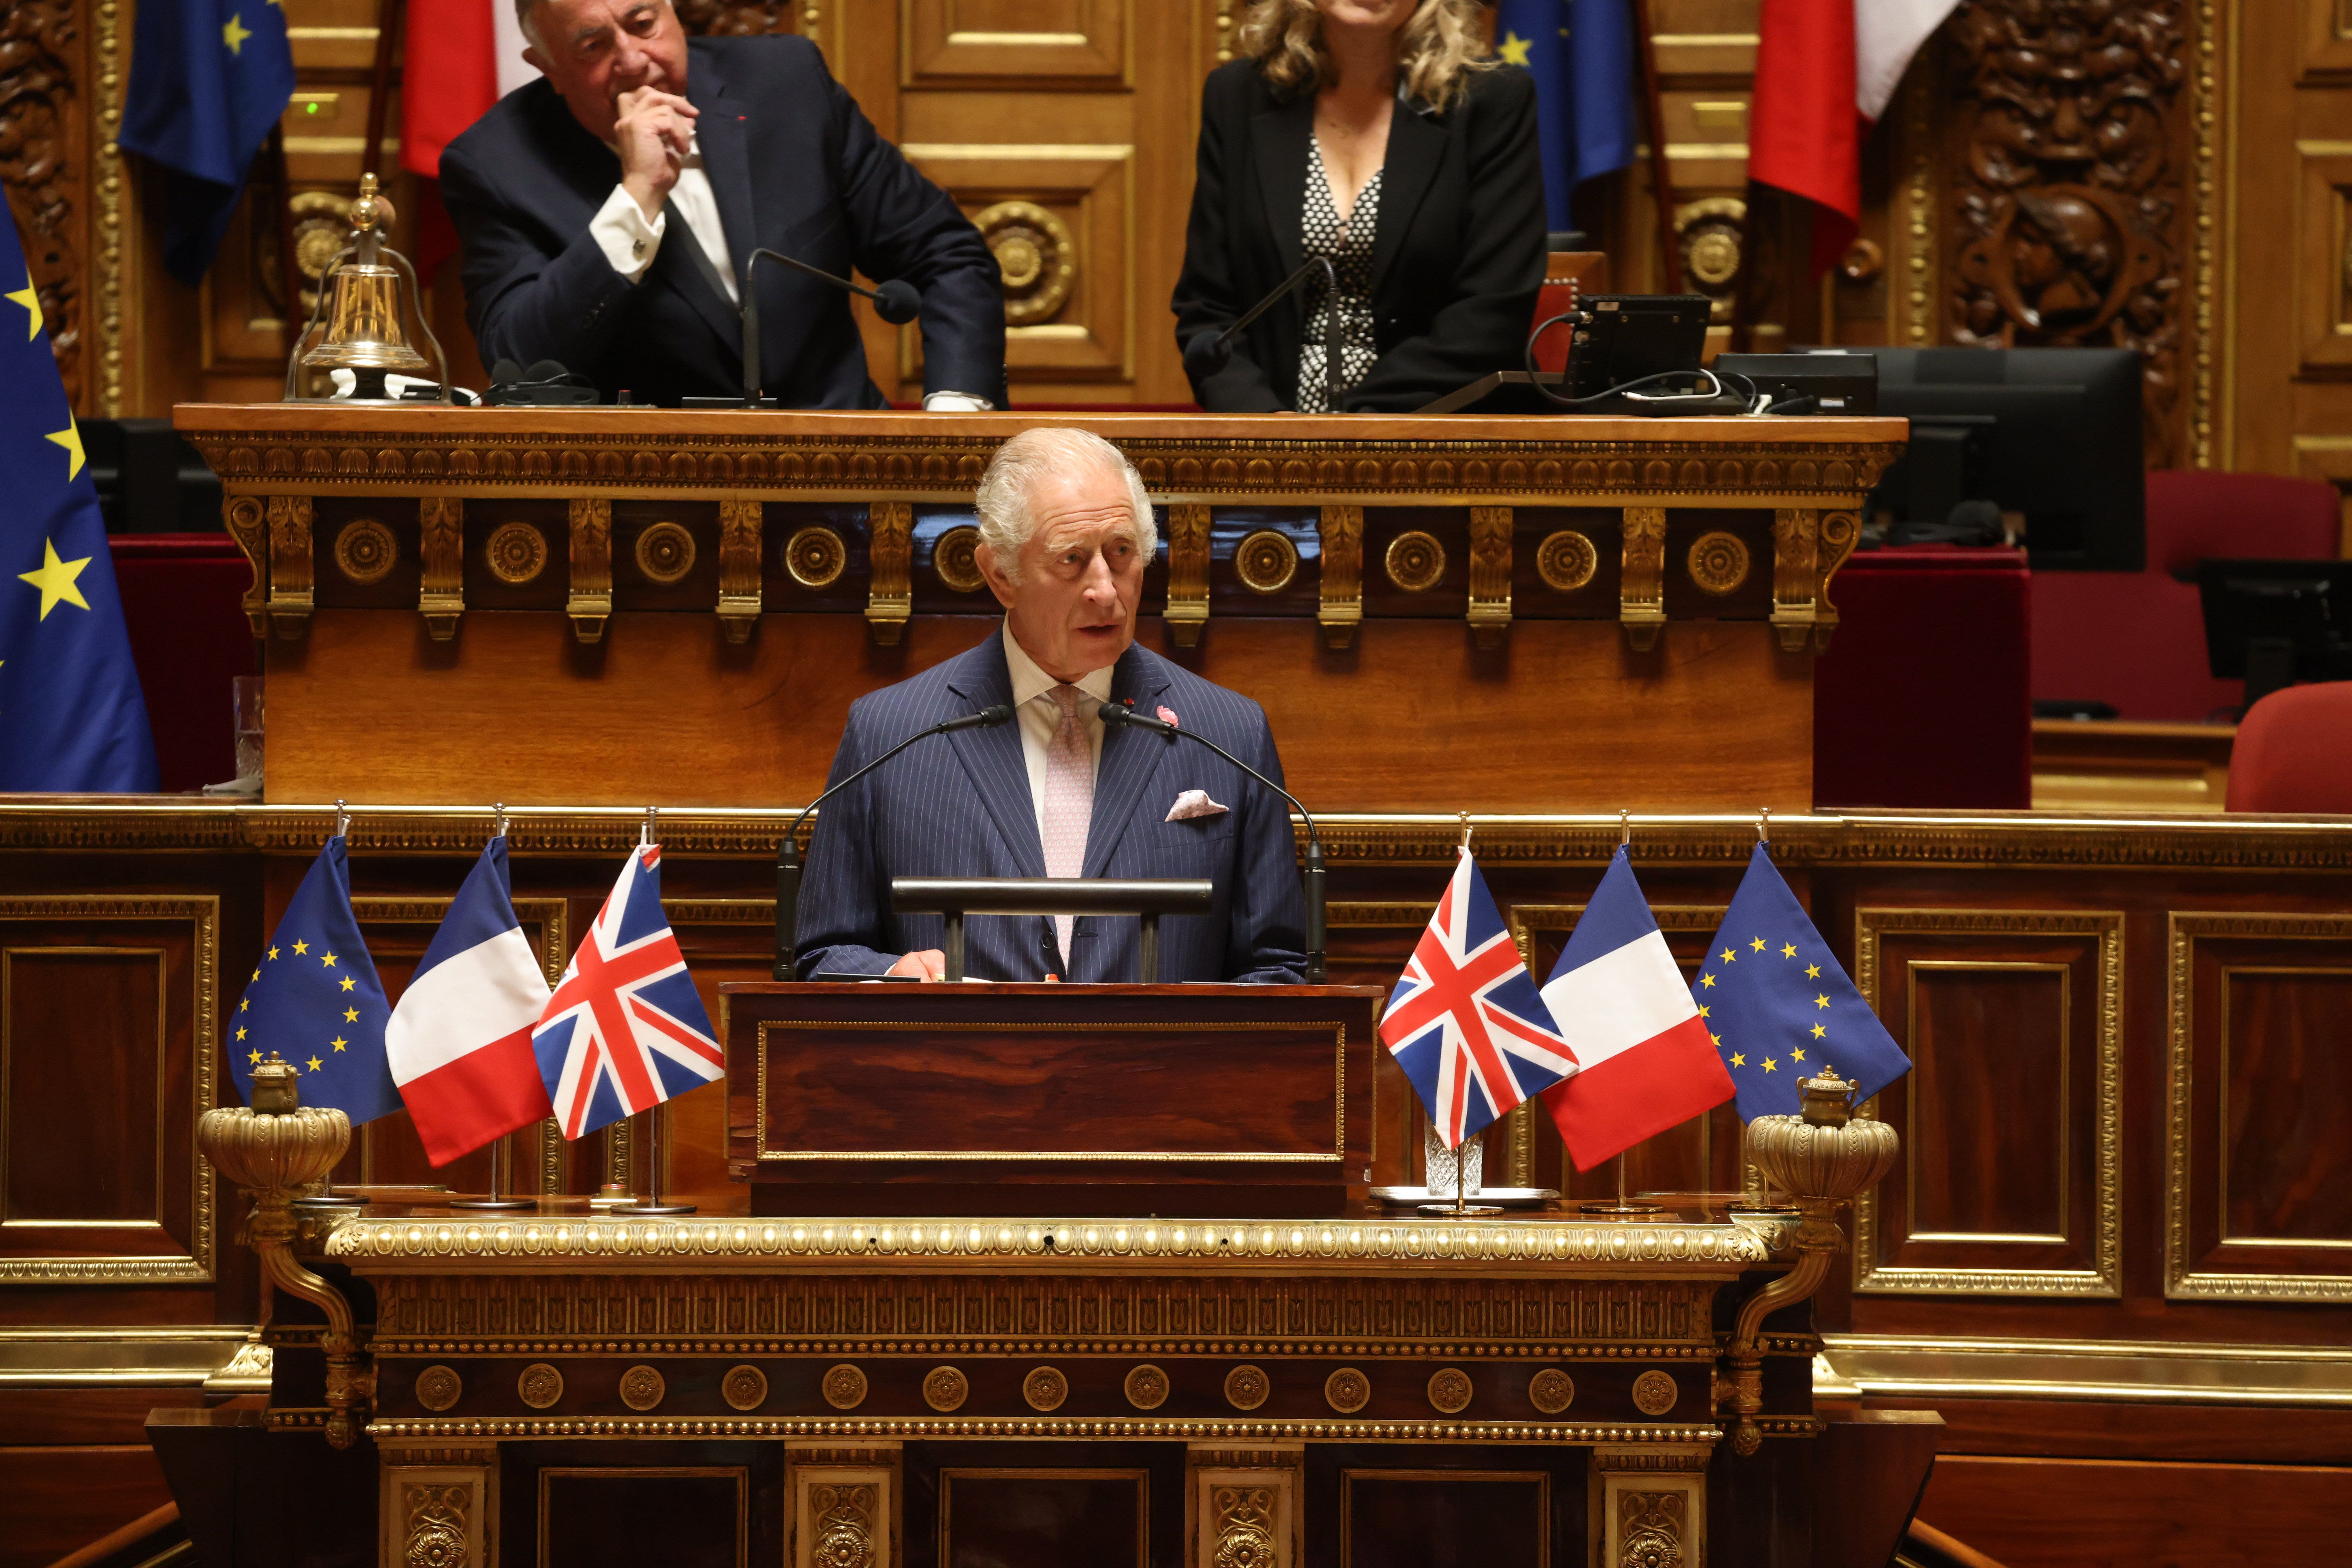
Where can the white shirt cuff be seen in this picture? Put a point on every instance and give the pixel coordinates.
(628, 241)
(955, 402)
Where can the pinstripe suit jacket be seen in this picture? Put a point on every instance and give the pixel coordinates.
(958, 805)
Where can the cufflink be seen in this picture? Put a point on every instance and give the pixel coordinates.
(638, 249)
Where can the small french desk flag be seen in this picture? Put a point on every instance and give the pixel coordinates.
(1625, 1010)
(460, 1039)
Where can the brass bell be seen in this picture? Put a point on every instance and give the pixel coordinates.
(362, 298)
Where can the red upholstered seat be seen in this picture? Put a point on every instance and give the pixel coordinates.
(2294, 752)
(2136, 639)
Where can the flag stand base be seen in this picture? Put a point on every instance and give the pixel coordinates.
(499, 1181)
(651, 1202)
(1619, 1205)
(1461, 1207)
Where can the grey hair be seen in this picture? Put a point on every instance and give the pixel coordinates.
(523, 8)
(1006, 519)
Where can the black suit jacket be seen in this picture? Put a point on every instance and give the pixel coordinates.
(958, 805)
(795, 167)
(1457, 255)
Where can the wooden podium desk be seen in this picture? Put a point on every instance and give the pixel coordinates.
(561, 604)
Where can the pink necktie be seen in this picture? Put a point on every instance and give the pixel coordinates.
(1069, 800)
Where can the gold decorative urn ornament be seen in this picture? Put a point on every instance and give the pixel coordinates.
(274, 1148)
(1821, 1158)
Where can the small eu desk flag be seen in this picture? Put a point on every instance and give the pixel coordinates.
(1779, 1007)
(208, 79)
(1580, 53)
(315, 1000)
(71, 716)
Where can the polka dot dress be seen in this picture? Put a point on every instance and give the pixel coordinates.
(1349, 246)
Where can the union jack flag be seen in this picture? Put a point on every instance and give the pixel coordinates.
(1465, 1021)
(626, 1030)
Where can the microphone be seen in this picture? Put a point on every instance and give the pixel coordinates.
(1208, 350)
(896, 300)
(1316, 968)
(788, 853)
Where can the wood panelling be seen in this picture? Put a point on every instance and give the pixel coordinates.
(107, 1059)
(951, 43)
(2324, 276)
(722, 940)
(2010, 1176)
(62, 1498)
(2080, 1513)
(2260, 1085)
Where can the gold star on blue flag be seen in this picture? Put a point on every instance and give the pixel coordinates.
(71, 715)
(1779, 1006)
(326, 1014)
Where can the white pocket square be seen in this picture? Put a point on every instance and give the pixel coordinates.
(1193, 802)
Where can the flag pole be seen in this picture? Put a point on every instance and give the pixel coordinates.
(654, 1151)
(1621, 1206)
(501, 1150)
(326, 1193)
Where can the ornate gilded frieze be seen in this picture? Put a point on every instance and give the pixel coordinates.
(1231, 1428)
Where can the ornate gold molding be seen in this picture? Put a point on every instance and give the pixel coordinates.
(1796, 549)
(1642, 588)
(1888, 1366)
(1340, 530)
(244, 517)
(1490, 573)
(890, 550)
(1224, 1428)
(2183, 1280)
(2105, 1276)
(290, 589)
(739, 568)
(197, 1266)
(441, 533)
(1189, 527)
(590, 601)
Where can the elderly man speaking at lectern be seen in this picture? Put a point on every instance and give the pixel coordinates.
(1066, 534)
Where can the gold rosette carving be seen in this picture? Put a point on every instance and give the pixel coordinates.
(1146, 1388)
(843, 1386)
(1348, 1391)
(946, 1389)
(1247, 1388)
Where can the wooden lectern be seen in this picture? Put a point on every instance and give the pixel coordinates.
(1071, 1099)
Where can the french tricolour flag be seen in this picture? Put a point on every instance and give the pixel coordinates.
(460, 1040)
(1626, 1011)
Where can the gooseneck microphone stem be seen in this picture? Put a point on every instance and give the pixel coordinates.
(1210, 350)
(894, 301)
(1318, 969)
(788, 852)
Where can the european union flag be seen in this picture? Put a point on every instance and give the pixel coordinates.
(1580, 53)
(314, 999)
(1779, 1007)
(71, 716)
(208, 79)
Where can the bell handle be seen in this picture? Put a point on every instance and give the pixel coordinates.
(416, 302)
(294, 355)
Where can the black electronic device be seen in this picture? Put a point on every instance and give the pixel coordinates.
(543, 385)
(896, 300)
(1317, 965)
(1837, 383)
(1618, 338)
(2051, 434)
(2273, 622)
(788, 852)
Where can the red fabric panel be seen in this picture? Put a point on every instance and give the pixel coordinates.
(1922, 698)
(181, 597)
(449, 77)
(1804, 129)
(2197, 514)
(2294, 752)
(2135, 639)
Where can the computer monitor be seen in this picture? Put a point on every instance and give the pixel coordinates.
(2273, 622)
(2063, 446)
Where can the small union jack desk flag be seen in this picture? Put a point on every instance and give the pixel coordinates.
(1465, 1021)
(625, 1031)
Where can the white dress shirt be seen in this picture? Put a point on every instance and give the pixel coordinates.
(630, 243)
(1039, 716)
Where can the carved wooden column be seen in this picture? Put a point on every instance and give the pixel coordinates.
(1342, 530)
(289, 566)
(739, 568)
(1490, 573)
(436, 1505)
(1651, 1507)
(890, 570)
(1188, 575)
(842, 1505)
(1242, 1506)
(441, 532)
(1642, 590)
(590, 603)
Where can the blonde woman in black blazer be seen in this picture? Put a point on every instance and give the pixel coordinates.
(1410, 121)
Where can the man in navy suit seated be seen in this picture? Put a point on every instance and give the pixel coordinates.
(609, 212)
(1066, 534)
